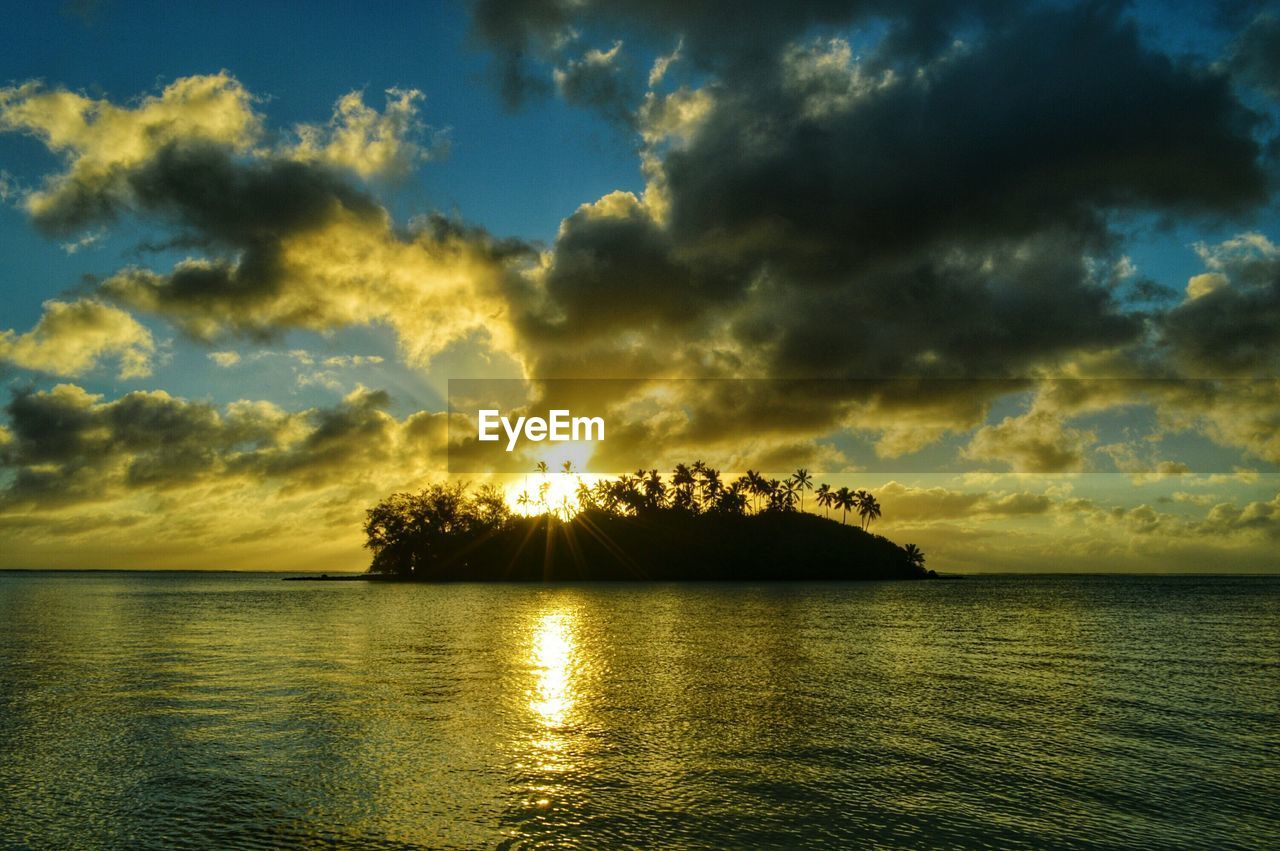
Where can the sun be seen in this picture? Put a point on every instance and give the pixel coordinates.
(554, 492)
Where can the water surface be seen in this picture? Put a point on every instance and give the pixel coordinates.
(179, 709)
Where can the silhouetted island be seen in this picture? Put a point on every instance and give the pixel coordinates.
(634, 528)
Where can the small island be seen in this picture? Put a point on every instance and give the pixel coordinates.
(634, 528)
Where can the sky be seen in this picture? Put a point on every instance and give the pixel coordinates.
(1014, 268)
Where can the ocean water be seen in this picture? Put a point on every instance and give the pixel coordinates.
(236, 710)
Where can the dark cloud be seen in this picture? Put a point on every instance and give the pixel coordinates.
(1255, 56)
(600, 80)
(1042, 125)
(1234, 328)
(732, 38)
(67, 446)
(242, 209)
(823, 217)
(238, 201)
(614, 268)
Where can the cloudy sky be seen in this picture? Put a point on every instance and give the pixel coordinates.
(1013, 267)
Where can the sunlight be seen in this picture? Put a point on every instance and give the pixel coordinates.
(555, 492)
(552, 657)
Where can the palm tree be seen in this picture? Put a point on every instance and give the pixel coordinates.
(567, 467)
(655, 491)
(823, 496)
(584, 496)
(732, 500)
(698, 468)
(523, 499)
(790, 491)
(858, 497)
(682, 481)
(844, 500)
(869, 508)
(755, 484)
(914, 556)
(803, 482)
(541, 467)
(711, 484)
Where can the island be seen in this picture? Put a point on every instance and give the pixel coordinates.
(642, 527)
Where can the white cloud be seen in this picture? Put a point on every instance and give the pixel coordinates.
(72, 338)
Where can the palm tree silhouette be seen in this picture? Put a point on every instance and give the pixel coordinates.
(823, 496)
(698, 468)
(914, 556)
(790, 491)
(756, 485)
(711, 484)
(868, 507)
(682, 481)
(803, 482)
(844, 500)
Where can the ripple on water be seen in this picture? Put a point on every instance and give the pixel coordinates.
(236, 710)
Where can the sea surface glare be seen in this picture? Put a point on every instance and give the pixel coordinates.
(142, 710)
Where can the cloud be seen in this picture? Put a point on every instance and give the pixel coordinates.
(1034, 442)
(527, 36)
(804, 218)
(72, 338)
(662, 64)
(1227, 326)
(289, 238)
(225, 359)
(1256, 517)
(68, 447)
(598, 79)
(102, 143)
(1255, 55)
(906, 504)
(368, 142)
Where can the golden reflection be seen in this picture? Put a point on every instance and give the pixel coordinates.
(553, 661)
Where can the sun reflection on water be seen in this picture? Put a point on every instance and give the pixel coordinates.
(552, 658)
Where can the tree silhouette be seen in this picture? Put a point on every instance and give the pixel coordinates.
(789, 492)
(845, 501)
(914, 556)
(756, 486)
(444, 532)
(868, 508)
(823, 496)
(803, 482)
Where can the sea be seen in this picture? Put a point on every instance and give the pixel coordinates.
(236, 710)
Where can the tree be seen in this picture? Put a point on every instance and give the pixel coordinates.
(868, 508)
(823, 495)
(756, 486)
(682, 485)
(803, 482)
(405, 530)
(789, 492)
(914, 556)
(711, 485)
(655, 491)
(845, 501)
(698, 468)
